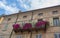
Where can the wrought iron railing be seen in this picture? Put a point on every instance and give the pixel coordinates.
(33, 23)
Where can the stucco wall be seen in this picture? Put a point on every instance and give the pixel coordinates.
(47, 15)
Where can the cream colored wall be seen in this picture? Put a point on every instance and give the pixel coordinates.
(28, 14)
(47, 15)
(6, 32)
(5, 20)
(13, 18)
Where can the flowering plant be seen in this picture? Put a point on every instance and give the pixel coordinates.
(40, 24)
(16, 26)
(27, 26)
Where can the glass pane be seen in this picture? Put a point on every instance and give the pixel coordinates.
(55, 35)
(1, 36)
(56, 21)
(59, 35)
(18, 36)
(38, 36)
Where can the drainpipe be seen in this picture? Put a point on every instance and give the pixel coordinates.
(15, 23)
(31, 35)
(32, 16)
(31, 20)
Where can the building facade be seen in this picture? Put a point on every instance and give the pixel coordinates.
(51, 14)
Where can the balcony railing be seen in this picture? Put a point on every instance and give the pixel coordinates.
(30, 26)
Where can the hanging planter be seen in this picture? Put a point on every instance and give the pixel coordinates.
(16, 26)
(40, 24)
(27, 26)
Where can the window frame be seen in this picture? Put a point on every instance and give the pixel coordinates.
(1, 36)
(9, 19)
(40, 14)
(40, 19)
(57, 21)
(57, 35)
(25, 16)
(38, 35)
(18, 36)
(55, 12)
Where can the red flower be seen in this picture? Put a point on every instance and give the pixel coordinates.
(40, 23)
(16, 26)
(27, 26)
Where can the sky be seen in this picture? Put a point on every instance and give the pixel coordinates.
(14, 6)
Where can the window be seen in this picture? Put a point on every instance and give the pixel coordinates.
(55, 12)
(9, 19)
(24, 16)
(23, 23)
(18, 36)
(40, 19)
(38, 36)
(40, 14)
(57, 35)
(1, 36)
(56, 21)
(5, 27)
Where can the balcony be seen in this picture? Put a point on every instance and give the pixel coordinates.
(31, 26)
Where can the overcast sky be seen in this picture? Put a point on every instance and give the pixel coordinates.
(13, 6)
